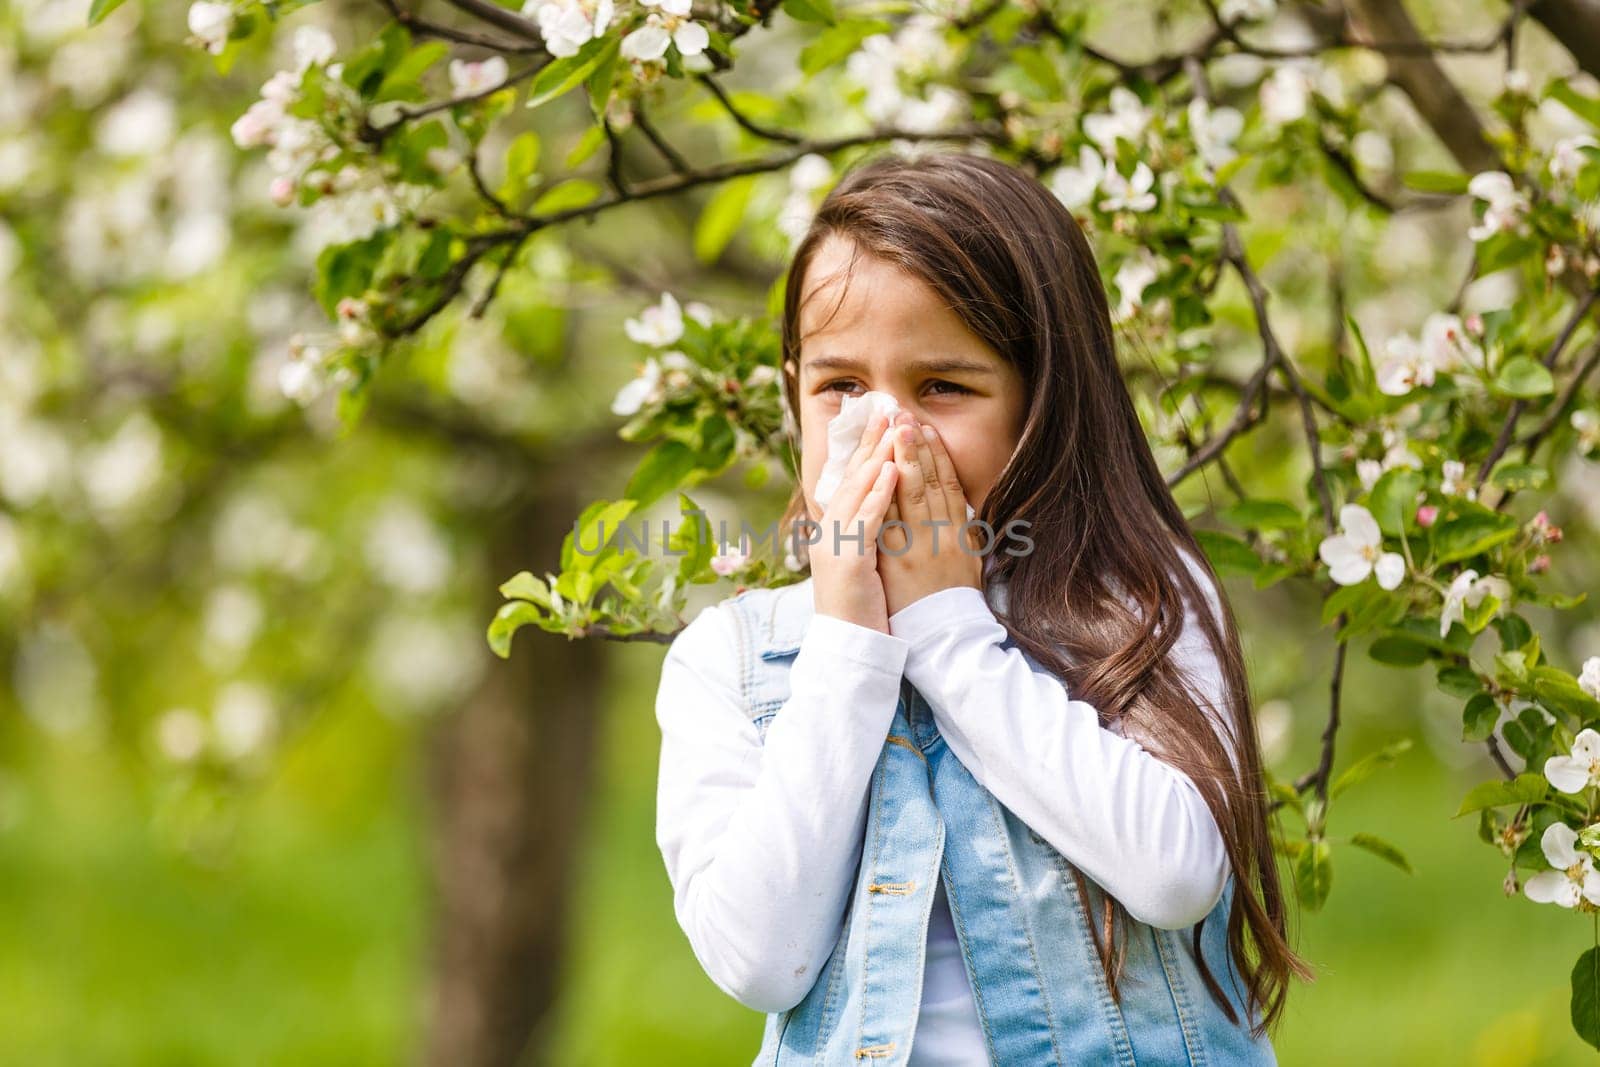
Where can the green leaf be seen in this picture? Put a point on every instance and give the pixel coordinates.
(720, 218)
(1382, 849)
(403, 80)
(1471, 533)
(1559, 691)
(1361, 347)
(1435, 181)
(1259, 514)
(1396, 651)
(1519, 476)
(1585, 107)
(811, 11)
(1514, 631)
(592, 138)
(1523, 789)
(1228, 554)
(1285, 792)
(507, 621)
(1478, 717)
(1362, 768)
(559, 75)
(101, 8)
(607, 512)
(1460, 682)
(522, 159)
(599, 83)
(1351, 599)
(664, 467)
(524, 586)
(1524, 377)
(1586, 996)
(1313, 874)
(693, 539)
(572, 193)
(837, 42)
(1203, 208)
(1393, 499)
(346, 270)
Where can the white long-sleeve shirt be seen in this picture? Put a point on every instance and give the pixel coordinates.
(761, 841)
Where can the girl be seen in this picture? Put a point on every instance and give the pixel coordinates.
(942, 805)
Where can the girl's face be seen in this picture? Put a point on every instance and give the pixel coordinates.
(895, 334)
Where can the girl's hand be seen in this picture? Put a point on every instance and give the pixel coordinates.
(845, 577)
(930, 501)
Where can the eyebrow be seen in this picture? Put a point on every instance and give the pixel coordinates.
(943, 365)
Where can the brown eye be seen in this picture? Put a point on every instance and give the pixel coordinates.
(954, 389)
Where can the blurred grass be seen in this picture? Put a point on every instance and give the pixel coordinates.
(307, 942)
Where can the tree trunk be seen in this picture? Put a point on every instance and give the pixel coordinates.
(510, 775)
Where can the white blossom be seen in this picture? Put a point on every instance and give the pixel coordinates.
(643, 389)
(1127, 119)
(1285, 95)
(690, 38)
(1074, 186)
(210, 24)
(474, 78)
(1214, 130)
(1574, 877)
(313, 47)
(1567, 157)
(810, 172)
(1128, 194)
(1405, 366)
(566, 25)
(1505, 204)
(1453, 480)
(729, 559)
(140, 124)
(1576, 772)
(1448, 344)
(1132, 278)
(658, 325)
(1589, 677)
(1467, 591)
(646, 43)
(1357, 551)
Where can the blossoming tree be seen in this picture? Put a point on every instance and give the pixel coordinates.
(1419, 460)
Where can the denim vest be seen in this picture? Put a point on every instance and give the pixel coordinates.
(1024, 937)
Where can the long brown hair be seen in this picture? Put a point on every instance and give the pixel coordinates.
(1014, 264)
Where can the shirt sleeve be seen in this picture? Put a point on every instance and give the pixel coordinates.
(1136, 825)
(762, 841)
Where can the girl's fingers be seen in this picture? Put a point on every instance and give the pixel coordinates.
(870, 436)
(894, 537)
(911, 491)
(938, 507)
(859, 479)
(955, 497)
(873, 506)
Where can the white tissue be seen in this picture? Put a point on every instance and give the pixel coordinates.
(844, 434)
